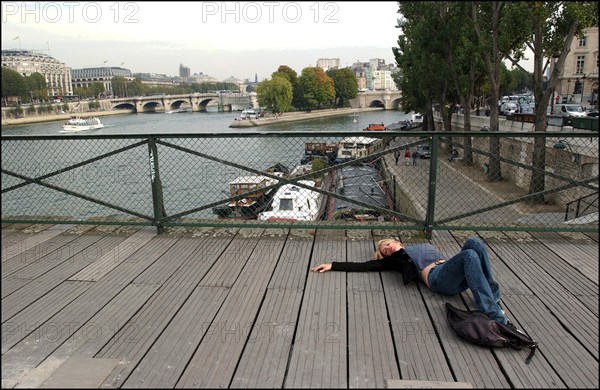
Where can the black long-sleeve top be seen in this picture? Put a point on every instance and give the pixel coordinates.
(399, 261)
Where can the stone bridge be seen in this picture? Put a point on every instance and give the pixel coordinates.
(195, 101)
(389, 100)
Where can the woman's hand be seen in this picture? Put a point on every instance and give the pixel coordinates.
(321, 268)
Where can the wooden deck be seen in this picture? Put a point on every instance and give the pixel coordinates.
(123, 307)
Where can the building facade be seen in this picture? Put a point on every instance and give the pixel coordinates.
(578, 81)
(328, 63)
(184, 71)
(84, 78)
(26, 62)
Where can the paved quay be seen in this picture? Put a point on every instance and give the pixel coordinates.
(456, 192)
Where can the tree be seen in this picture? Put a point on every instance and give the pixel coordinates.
(317, 88)
(36, 85)
(13, 84)
(500, 32)
(423, 66)
(136, 88)
(344, 84)
(552, 27)
(275, 94)
(293, 77)
(119, 86)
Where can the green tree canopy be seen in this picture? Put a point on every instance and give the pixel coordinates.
(275, 94)
(344, 84)
(13, 83)
(317, 88)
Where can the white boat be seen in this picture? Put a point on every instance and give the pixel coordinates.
(249, 114)
(294, 203)
(417, 118)
(76, 124)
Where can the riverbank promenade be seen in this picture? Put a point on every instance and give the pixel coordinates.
(120, 307)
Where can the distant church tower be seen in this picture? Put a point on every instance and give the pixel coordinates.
(256, 77)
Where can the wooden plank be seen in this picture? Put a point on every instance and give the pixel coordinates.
(264, 361)
(99, 268)
(21, 232)
(29, 352)
(569, 277)
(10, 228)
(583, 256)
(91, 336)
(319, 358)
(264, 364)
(177, 271)
(371, 353)
(44, 253)
(80, 373)
(29, 320)
(292, 268)
(214, 362)
(14, 248)
(552, 291)
(573, 363)
(40, 277)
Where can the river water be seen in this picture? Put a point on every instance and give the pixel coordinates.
(188, 181)
(208, 122)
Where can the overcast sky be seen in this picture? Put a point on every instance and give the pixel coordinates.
(220, 39)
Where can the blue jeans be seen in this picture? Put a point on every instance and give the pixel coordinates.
(470, 269)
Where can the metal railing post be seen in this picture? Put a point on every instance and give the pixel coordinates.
(429, 218)
(157, 193)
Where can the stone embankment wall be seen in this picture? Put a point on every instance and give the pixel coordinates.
(57, 112)
(578, 160)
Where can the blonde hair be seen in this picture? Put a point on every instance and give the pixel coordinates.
(377, 255)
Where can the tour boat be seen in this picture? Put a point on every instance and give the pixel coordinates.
(76, 124)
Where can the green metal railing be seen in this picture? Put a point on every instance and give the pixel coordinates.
(168, 180)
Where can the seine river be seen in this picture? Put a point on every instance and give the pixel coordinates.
(207, 122)
(188, 181)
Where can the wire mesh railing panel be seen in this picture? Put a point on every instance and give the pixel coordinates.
(376, 179)
(76, 180)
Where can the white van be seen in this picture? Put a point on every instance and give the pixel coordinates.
(572, 109)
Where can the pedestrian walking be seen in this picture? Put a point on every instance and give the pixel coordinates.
(397, 156)
(407, 156)
(415, 155)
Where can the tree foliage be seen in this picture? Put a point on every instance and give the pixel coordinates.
(275, 94)
(317, 88)
(344, 85)
(13, 83)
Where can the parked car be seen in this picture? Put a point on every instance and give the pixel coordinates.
(423, 151)
(509, 108)
(592, 113)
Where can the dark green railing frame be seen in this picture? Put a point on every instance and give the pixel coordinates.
(161, 220)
